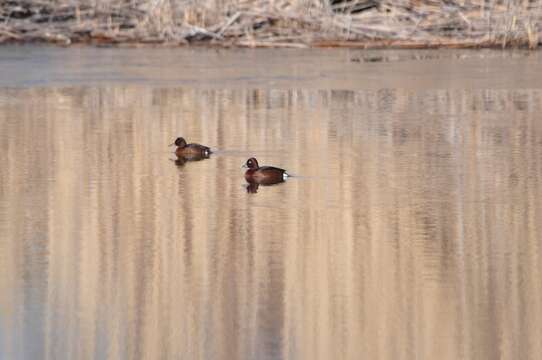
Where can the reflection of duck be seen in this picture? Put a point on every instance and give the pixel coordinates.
(191, 150)
(183, 159)
(252, 188)
(265, 175)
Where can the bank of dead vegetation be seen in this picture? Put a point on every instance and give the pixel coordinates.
(275, 23)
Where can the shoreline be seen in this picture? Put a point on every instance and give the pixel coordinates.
(327, 44)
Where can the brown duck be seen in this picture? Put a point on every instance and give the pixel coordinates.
(191, 151)
(264, 175)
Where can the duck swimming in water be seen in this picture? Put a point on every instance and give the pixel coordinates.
(263, 175)
(191, 151)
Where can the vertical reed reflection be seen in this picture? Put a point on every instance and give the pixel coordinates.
(412, 230)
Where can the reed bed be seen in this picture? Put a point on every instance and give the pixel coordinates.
(275, 23)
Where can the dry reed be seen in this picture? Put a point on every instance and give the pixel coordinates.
(273, 23)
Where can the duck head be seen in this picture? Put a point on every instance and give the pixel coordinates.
(180, 142)
(251, 163)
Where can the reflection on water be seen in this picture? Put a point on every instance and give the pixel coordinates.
(411, 229)
(252, 188)
(181, 160)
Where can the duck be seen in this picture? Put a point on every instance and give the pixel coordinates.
(191, 151)
(263, 175)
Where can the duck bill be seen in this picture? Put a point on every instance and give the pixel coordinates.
(171, 144)
(244, 166)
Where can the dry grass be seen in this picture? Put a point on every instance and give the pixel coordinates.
(259, 23)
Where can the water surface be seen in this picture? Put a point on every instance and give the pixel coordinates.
(410, 231)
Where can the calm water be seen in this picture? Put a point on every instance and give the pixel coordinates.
(410, 231)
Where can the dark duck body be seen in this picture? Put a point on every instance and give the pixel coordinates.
(263, 175)
(191, 152)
